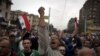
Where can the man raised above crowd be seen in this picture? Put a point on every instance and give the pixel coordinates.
(47, 47)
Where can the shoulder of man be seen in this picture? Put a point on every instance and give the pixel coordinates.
(35, 53)
(20, 53)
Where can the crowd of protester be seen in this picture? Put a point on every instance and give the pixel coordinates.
(16, 42)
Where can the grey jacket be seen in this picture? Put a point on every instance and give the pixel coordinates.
(44, 43)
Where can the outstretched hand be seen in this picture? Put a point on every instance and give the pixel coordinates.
(75, 28)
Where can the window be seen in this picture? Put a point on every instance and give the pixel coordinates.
(29, 16)
(95, 2)
(90, 16)
(94, 16)
(90, 12)
(29, 20)
(90, 8)
(94, 12)
(95, 9)
(7, 6)
(0, 2)
(8, 3)
(6, 14)
(0, 10)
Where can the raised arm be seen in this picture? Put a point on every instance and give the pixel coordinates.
(75, 28)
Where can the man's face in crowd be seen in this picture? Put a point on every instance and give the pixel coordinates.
(62, 49)
(42, 12)
(26, 44)
(86, 52)
(12, 38)
(4, 47)
(87, 43)
(54, 42)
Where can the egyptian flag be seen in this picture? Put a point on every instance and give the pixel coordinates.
(24, 22)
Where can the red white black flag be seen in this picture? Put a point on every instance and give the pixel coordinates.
(24, 22)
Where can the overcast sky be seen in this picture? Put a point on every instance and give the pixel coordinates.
(61, 10)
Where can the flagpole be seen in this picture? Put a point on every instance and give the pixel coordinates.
(49, 18)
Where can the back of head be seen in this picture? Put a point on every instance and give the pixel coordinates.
(5, 39)
(86, 52)
(4, 46)
(97, 49)
(41, 9)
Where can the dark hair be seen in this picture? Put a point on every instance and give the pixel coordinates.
(5, 38)
(11, 36)
(27, 39)
(41, 8)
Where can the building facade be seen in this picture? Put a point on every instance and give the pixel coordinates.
(33, 19)
(90, 15)
(5, 7)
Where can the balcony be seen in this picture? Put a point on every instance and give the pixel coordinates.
(94, 28)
